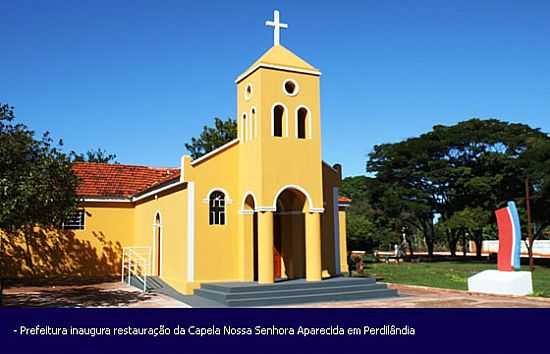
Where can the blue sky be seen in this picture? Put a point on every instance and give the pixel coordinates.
(140, 78)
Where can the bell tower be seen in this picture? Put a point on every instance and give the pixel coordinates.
(280, 166)
(278, 115)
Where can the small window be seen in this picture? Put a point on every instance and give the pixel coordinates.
(217, 208)
(253, 123)
(75, 221)
(244, 127)
(278, 112)
(248, 92)
(302, 121)
(290, 87)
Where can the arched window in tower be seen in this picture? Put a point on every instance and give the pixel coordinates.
(278, 113)
(217, 208)
(244, 127)
(253, 123)
(302, 117)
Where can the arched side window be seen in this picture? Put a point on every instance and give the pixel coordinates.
(217, 208)
(253, 123)
(244, 129)
(302, 117)
(278, 113)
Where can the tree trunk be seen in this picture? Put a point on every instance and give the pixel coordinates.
(28, 256)
(452, 241)
(1, 269)
(464, 241)
(529, 230)
(432, 237)
(410, 246)
(479, 241)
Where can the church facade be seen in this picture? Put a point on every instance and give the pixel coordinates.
(263, 207)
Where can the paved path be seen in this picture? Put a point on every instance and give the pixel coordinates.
(121, 295)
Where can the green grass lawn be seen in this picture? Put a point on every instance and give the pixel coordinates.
(447, 274)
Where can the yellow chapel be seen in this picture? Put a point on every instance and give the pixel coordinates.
(264, 207)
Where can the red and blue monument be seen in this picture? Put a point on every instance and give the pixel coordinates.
(509, 238)
(507, 280)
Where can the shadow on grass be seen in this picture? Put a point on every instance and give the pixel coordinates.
(87, 296)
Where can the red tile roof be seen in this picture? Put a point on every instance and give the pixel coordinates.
(345, 200)
(114, 180)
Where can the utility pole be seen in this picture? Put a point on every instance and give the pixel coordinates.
(529, 231)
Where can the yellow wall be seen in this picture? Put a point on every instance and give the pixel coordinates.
(344, 268)
(93, 252)
(172, 207)
(216, 246)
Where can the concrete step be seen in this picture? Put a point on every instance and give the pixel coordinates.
(250, 294)
(312, 298)
(153, 283)
(223, 296)
(240, 287)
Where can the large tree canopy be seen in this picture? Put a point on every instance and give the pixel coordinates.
(212, 137)
(37, 185)
(457, 175)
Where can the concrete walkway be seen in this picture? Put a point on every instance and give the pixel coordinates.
(121, 295)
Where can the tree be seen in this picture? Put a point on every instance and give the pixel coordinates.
(212, 138)
(535, 169)
(361, 228)
(99, 155)
(370, 221)
(37, 186)
(473, 165)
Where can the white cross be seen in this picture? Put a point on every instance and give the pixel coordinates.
(276, 27)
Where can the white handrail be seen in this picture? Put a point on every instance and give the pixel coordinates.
(135, 262)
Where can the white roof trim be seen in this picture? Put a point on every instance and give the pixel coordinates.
(158, 190)
(214, 152)
(329, 166)
(276, 67)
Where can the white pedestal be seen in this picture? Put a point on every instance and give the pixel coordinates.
(501, 283)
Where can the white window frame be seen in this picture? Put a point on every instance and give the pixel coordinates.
(77, 221)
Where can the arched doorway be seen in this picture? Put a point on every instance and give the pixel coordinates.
(289, 226)
(157, 241)
(252, 231)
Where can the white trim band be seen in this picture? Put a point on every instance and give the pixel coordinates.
(191, 231)
(265, 208)
(214, 152)
(246, 212)
(316, 210)
(155, 191)
(276, 67)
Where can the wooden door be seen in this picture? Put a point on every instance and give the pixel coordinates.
(276, 263)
